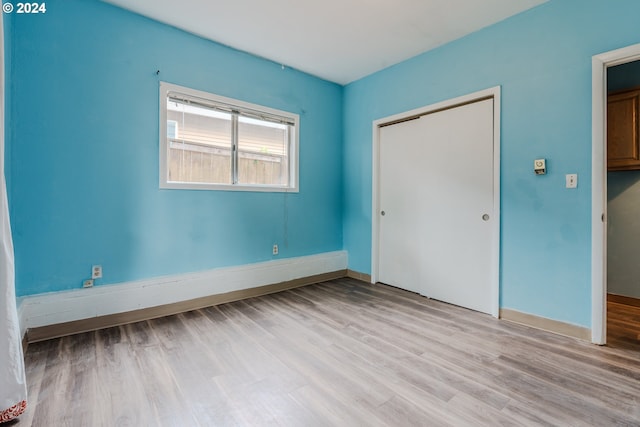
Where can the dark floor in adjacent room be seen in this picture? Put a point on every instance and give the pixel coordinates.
(623, 326)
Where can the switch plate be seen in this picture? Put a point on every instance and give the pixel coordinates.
(572, 180)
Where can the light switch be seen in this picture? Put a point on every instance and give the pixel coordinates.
(572, 180)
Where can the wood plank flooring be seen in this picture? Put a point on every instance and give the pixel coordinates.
(623, 326)
(339, 353)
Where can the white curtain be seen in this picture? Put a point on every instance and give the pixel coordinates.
(13, 386)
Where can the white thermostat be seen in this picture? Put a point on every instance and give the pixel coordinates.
(540, 166)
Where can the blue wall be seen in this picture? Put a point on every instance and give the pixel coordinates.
(8, 48)
(542, 60)
(84, 148)
(84, 152)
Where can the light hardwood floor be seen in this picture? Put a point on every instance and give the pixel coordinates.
(341, 353)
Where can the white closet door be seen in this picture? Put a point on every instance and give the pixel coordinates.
(400, 253)
(436, 190)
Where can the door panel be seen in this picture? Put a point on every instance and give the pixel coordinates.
(436, 183)
(400, 255)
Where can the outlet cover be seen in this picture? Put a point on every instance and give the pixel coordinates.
(96, 272)
(87, 283)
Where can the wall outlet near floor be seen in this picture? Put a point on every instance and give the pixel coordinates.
(87, 283)
(96, 272)
(275, 249)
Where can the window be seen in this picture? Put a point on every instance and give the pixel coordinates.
(216, 143)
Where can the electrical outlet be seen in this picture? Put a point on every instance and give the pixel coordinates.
(96, 272)
(87, 283)
(275, 249)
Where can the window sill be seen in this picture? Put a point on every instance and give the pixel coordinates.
(227, 187)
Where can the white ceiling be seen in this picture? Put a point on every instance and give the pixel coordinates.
(338, 40)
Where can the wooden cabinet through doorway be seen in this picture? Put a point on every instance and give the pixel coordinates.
(623, 130)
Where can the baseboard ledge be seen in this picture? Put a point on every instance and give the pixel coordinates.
(543, 323)
(359, 276)
(86, 325)
(622, 299)
(53, 314)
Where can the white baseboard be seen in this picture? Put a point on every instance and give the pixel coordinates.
(66, 306)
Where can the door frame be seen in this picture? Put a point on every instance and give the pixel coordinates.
(599, 65)
(494, 93)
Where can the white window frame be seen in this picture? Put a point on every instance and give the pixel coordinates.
(241, 106)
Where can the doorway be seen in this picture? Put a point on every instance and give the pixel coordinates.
(600, 66)
(436, 201)
(623, 205)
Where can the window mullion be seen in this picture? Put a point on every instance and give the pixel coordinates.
(234, 148)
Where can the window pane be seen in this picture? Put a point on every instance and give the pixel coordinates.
(262, 152)
(199, 144)
(209, 142)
